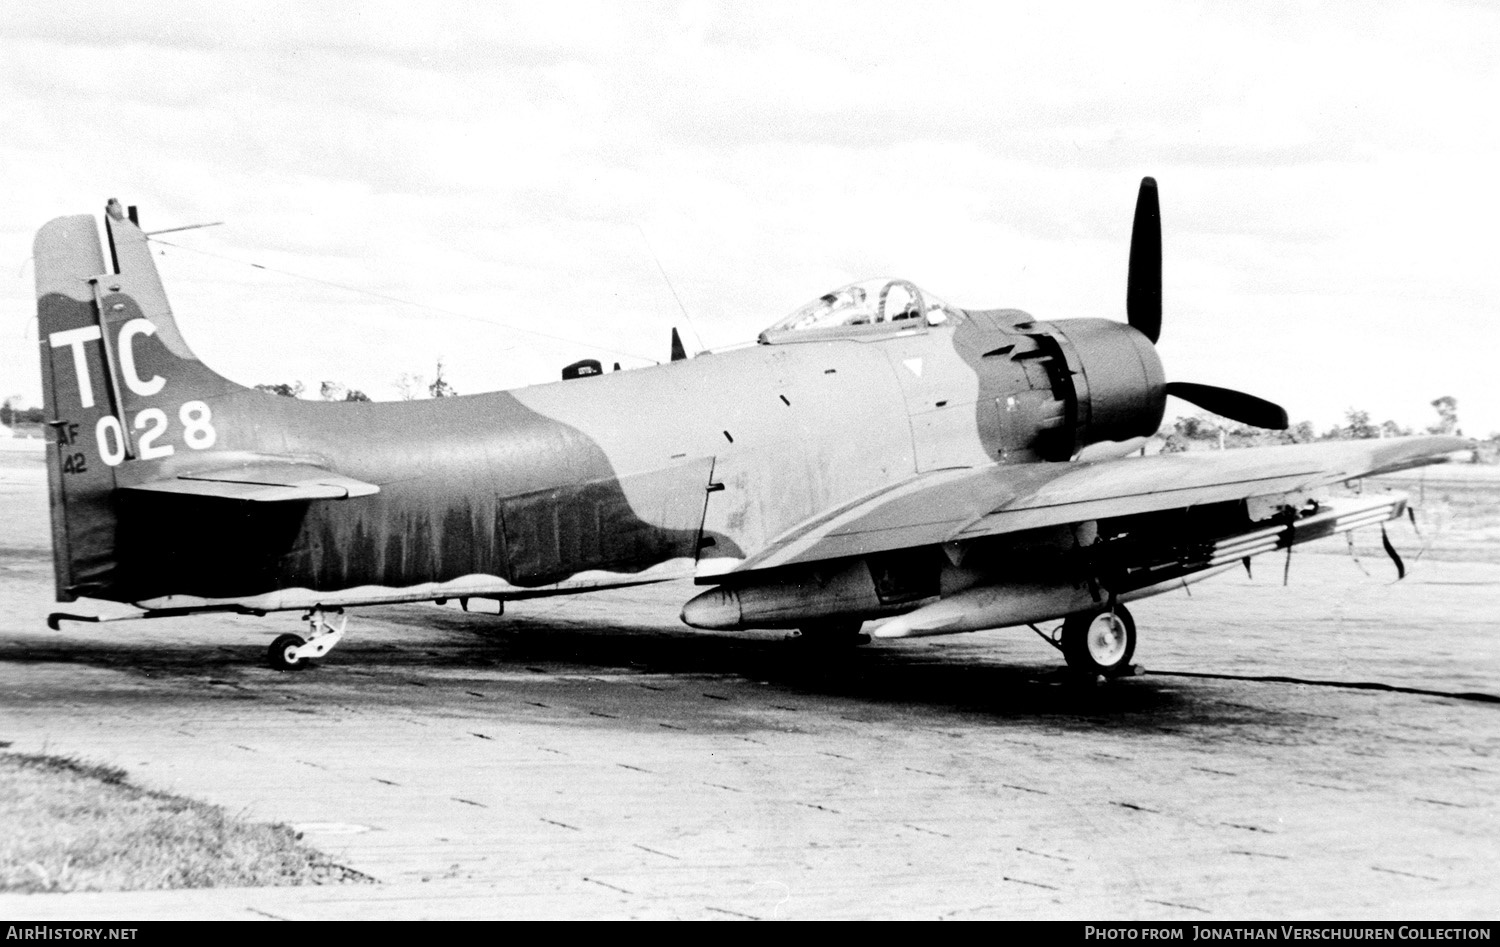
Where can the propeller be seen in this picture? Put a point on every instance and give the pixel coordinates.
(1235, 405)
(1143, 311)
(1143, 284)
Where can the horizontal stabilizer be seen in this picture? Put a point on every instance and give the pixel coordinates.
(263, 483)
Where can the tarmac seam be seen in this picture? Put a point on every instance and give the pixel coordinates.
(1034, 884)
(1404, 874)
(1348, 685)
(1174, 904)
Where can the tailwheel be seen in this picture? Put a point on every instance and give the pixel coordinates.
(325, 628)
(831, 634)
(1101, 642)
(283, 653)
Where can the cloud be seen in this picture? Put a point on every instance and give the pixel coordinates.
(1324, 171)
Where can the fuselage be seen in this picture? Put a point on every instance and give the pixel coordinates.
(624, 477)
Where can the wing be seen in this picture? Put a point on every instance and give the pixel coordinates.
(950, 505)
(262, 482)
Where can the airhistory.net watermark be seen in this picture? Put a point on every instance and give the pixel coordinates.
(49, 932)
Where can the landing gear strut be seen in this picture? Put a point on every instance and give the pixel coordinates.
(325, 628)
(1100, 642)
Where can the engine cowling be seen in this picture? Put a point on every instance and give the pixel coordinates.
(1119, 387)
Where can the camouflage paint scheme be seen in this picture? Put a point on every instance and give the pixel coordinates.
(537, 487)
(692, 467)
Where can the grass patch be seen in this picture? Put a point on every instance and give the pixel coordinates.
(67, 825)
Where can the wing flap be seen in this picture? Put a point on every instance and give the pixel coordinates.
(950, 505)
(263, 483)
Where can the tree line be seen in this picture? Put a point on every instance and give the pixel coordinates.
(1184, 433)
(15, 415)
(409, 385)
(1211, 430)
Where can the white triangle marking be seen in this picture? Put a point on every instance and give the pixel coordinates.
(914, 365)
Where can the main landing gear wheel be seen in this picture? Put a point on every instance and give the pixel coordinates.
(283, 653)
(1101, 642)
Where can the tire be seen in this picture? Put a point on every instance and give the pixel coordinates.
(1093, 643)
(280, 655)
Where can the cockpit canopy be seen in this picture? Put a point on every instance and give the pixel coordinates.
(872, 306)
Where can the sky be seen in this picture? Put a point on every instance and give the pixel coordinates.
(507, 188)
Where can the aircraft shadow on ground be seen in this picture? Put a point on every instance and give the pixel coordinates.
(882, 679)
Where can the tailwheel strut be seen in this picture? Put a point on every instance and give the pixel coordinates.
(325, 628)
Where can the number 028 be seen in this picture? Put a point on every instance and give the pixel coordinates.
(197, 432)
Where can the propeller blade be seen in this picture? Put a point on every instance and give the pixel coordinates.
(1234, 405)
(1143, 285)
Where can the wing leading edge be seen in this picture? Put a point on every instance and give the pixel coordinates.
(954, 505)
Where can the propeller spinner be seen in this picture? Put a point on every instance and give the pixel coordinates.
(1143, 311)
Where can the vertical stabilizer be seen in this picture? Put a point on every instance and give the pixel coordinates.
(125, 397)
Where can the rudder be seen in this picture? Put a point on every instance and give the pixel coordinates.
(69, 265)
